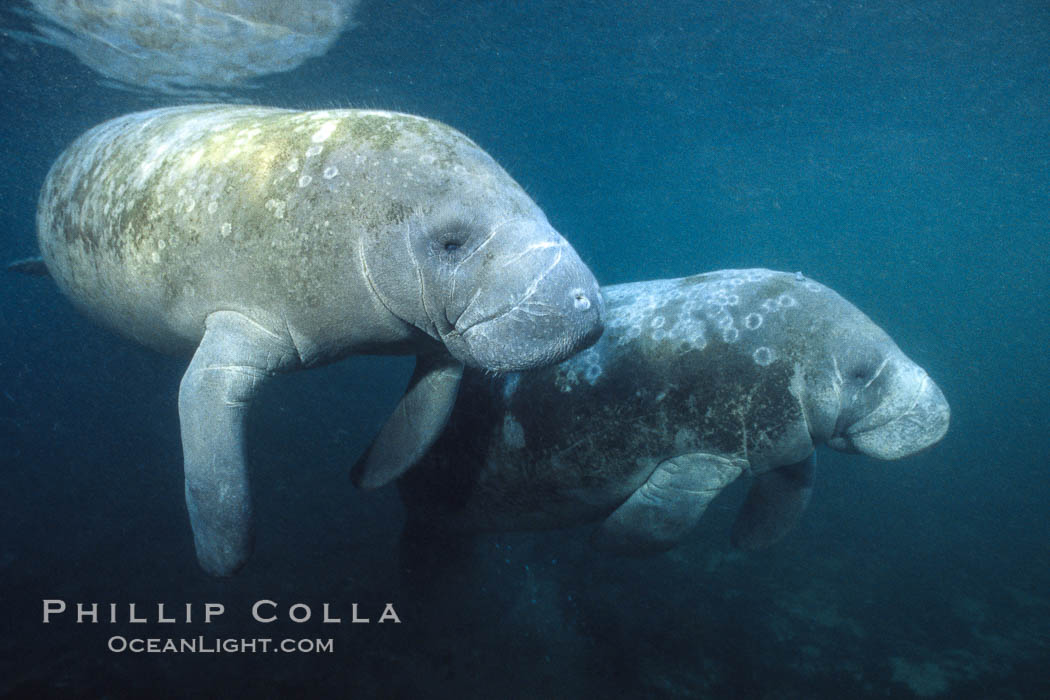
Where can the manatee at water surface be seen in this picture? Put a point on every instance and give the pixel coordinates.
(190, 46)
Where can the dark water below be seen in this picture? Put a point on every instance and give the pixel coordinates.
(897, 151)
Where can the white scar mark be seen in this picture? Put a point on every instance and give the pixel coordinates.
(534, 287)
(521, 305)
(264, 329)
(837, 383)
(918, 395)
(488, 238)
(255, 374)
(522, 314)
(877, 372)
(797, 389)
(459, 265)
(243, 369)
(473, 299)
(537, 309)
(419, 277)
(322, 134)
(535, 246)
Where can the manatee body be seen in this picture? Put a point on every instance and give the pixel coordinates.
(265, 240)
(695, 381)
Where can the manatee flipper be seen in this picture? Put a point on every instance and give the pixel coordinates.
(669, 504)
(29, 266)
(414, 425)
(235, 356)
(774, 504)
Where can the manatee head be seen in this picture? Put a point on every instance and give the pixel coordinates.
(491, 279)
(516, 295)
(862, 394)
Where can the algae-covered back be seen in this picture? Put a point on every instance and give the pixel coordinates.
(177, 206)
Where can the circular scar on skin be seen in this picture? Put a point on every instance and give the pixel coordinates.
(764, 356)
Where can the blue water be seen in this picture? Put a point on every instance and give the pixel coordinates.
(898, 152)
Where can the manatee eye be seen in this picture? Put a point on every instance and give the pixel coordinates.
(451, 244)
(452, 248)
(866, 372)
(451, 231)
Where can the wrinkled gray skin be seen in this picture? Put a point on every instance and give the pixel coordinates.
(263, 240)
(695, 382)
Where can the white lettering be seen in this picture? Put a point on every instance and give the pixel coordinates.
(213, 610)
(82, 612)
(326, 615)
(389, 614)
(53, 607)
(306, 615)
(259, 604)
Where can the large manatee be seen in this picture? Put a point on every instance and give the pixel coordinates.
(265, 240)
(695, 382)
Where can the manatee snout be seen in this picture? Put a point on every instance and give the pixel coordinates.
(536, 307)
(914, 415)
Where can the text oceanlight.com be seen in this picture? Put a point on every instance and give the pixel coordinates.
(212, 645)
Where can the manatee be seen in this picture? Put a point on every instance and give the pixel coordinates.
(695, 382)
(260, 241)
(187, 47)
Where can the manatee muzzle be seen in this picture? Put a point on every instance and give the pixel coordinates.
(540, 307)
(899, 428)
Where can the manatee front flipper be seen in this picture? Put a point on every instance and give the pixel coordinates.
(774, 504)
(235, 356)
(416, 422)
(669, 504)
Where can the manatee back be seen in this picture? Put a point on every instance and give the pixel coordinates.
(723, 356)
(697, 364)
(153, 220)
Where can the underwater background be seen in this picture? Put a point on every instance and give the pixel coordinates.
(897, 151)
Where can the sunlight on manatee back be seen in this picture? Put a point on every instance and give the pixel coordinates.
(191, 46)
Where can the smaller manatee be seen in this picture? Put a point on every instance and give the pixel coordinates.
(695, 381)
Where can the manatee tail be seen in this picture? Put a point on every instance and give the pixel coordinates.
(29, 266)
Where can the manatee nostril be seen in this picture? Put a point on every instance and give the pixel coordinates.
(580, 300)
